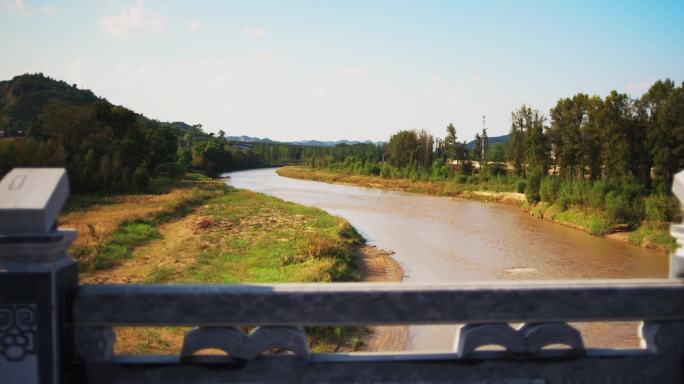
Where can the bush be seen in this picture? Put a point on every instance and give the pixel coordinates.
(597, 194)
(662, 208)
(176, 171)
(548, 189)
(563, 202)
(533, 185)
(520, 186)
(598, 226)
(385, 171)
(621, 209)
(141, 178)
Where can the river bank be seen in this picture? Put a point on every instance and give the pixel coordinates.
(198, 230)
(648, 235)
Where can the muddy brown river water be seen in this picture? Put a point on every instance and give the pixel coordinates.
(451, 239)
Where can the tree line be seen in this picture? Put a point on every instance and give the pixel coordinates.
(607, 153)
(110, 148)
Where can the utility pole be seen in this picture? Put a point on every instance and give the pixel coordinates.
(485, 140)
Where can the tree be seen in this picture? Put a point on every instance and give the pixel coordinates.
(425, 149)
(591, 138)
(451, 144)
(403, 148)
(520, 121)
(659, 132)
(565, 134)
(537, 155)
(620, 135)
(477, 151)
(670, 159)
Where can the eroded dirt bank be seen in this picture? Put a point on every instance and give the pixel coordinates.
(377, 265)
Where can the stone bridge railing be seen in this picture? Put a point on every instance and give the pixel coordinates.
(53, 330)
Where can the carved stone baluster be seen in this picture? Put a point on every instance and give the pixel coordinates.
(473, 336)
(246, 347)
(539, 335)
(677, 231)
(229, 340)
(263, 339)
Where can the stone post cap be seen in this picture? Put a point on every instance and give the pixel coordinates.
(678, 187)
(30, 200)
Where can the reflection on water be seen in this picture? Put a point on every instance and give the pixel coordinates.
(452, 239)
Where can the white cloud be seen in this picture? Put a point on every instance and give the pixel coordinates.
(14, 5)
(47, 8)
(350, 73)
(193, 25)
(256, 33)
(133, 22)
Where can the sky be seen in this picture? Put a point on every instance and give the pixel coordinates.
(330, 70)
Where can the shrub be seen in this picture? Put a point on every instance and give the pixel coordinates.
(563, 202)
(597, 194)
(141, 178)
(385, 171)
(598, 226)
(548, 189)
(621, 209)
(520, 186)
(176, 171)
(533, 185)
(661, 208)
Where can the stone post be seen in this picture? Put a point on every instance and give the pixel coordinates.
(677, 231)
(36, 275)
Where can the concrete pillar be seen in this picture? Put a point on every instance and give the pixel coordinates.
(677, 231)
(36, 275)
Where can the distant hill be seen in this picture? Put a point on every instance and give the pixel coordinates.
(310, 143)
(492, 140)
(24, 97)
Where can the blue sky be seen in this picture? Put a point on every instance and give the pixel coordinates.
(343, 69)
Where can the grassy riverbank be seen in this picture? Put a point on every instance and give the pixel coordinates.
(198, 230)
(652, 234)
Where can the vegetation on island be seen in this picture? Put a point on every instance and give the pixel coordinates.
(198, 230)
(599, 164)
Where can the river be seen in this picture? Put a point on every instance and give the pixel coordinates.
(453, 239)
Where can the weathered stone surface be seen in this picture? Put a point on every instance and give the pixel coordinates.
(238, 345)
(373, 303)
(540, 335)
(30, 200)
(474, 336)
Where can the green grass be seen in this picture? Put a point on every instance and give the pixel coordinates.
(272, 241)
(591, 221)
(653, 235)
(129, 235)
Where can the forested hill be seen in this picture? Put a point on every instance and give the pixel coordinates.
(105, 147)
(23, 98)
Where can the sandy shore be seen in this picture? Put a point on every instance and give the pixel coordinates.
(377, 265)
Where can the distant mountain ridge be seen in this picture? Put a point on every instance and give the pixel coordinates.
(492, 140)
(24, 98)
(309, 143)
